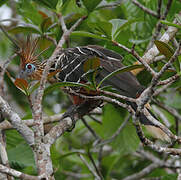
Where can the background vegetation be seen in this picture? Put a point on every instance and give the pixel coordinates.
(106, 21)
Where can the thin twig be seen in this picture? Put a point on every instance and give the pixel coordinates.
(51, 39)
(145, 9)
(89, 167)
(169, 80)
(143, 172)
(90, 129)
(171, 110)
(2, 72)
(95, 166)
(148, 92)
(95, 119)
(75, 174)
(113, 137)
(117, 96)
(159, 8)
(135, 54)
(159, 25)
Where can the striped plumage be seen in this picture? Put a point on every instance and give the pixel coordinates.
(71, 63)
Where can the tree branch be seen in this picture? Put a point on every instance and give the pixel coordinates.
(145, 9)
(17, 174)
(143, 172)
(16, 121)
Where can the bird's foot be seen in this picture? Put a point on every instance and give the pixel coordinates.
(71, 113)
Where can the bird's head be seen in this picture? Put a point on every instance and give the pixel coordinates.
(30, 67)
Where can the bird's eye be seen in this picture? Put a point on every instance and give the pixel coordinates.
(29, 68)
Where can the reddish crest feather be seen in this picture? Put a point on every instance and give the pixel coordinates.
(27, 52)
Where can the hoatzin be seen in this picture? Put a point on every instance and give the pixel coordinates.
(70, 65)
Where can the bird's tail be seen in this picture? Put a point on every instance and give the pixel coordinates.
(154, 130)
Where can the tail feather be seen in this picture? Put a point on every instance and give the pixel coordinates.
(157, 133)
(154, 130)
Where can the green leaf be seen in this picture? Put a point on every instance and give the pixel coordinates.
(120, 70)
(127, 141)
(29, 11)
(15, 154)
(91, 68)
(3, 2)
(164, 49)
(108, 162)
(171, 24)
(91, 5)
(26, 28)
(59, 6)
(92, 63)
(88, 34)
(178, 17)
(22, 85)
(70, 7)
(139, 41)
(119, 25)
(103, 28)
(45, 24)
(168, 52)
(48, 4)
(64, 84)
(16, 146)
(33, 88)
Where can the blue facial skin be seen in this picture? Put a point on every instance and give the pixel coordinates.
(29, 69)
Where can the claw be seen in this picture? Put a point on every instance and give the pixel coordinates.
(70, 113)
(73, 125)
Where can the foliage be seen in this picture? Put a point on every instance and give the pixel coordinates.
(107, 21)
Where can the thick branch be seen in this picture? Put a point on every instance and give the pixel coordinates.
(17, 174)
(16, 121)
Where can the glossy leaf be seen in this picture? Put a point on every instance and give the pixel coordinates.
(171, 24)
(102, 28)
(178, 17)
(22, 84)
(59, 6)
(91, 5)
(120, 70)
(112, 119)
(164, 49)
(29, 12)
(119, 25)
(46, 22)
(26, 28)
(70, 6)
(34, 87)
(91, 67)
(48, 4)
(88, 34)
(65, 84)
(92, 63)
(168, 52)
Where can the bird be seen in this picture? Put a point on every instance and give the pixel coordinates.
(75, 64)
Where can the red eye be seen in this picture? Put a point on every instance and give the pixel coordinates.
(29, 66)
